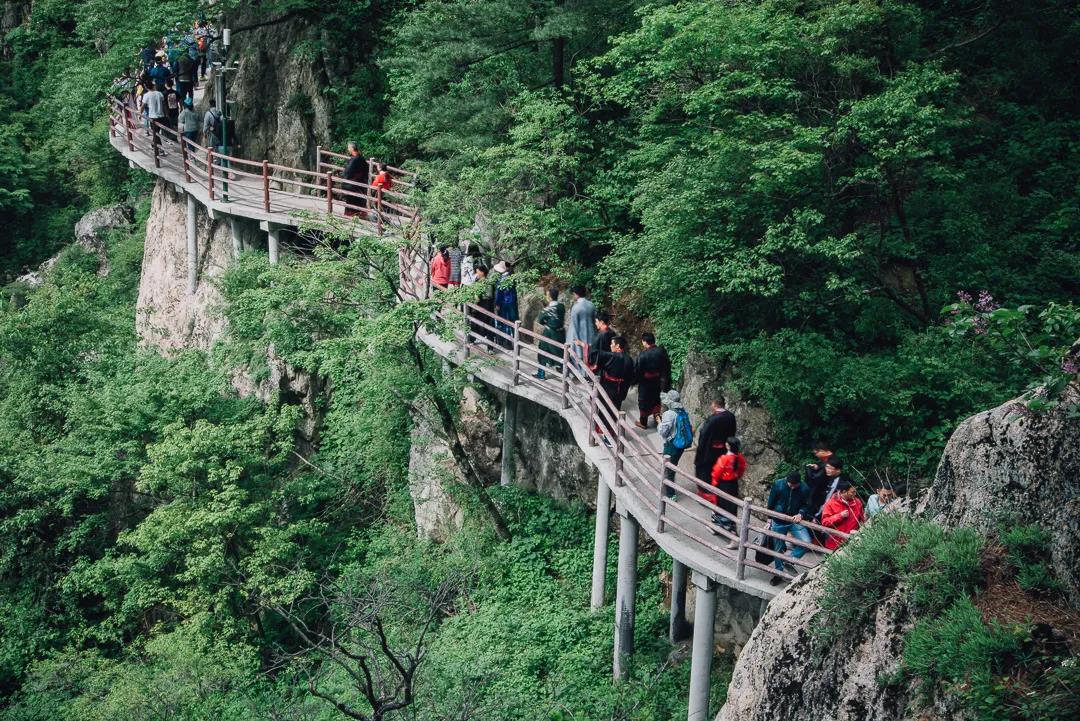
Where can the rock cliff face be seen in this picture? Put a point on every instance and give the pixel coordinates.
(90, 233)
(282, 111)
(703, 381)
(168, 317)
(998, 464)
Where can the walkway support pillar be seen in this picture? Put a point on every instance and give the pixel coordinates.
(600, 539)
(272, 232)
(678, 627)
(506, 470)
(192, 246)
(625, 594)
(702, 650)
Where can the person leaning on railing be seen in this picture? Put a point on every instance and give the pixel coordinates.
(189, 121)
(843, 511)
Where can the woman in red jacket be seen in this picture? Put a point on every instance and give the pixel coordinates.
(843, 511)
(729, 468)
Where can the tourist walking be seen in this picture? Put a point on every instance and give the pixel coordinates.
(506, 300)
(189, 122)
(552, 319)
(454, 254)
(729, 468)
(212, 126)
(815, 476)
(652, 369)
(616, 372)
(185, 76)
(356, 173)
(677, 433)
(790, 496)
(712, 440)
(582, 327)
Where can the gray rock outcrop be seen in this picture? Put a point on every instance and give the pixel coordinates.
(92, 229)
(1003, 464)
(169, 318)
(702, 381)
(433, 478)
(1007, 465)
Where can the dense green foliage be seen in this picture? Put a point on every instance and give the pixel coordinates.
(949, 583)
(794, 188)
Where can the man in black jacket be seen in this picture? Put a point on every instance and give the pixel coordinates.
(652, 369)
(356, 171)
(790, 496)
(616, 371)
(816, 478)
(714, 432)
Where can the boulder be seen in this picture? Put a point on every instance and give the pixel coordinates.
(1010, 465)
(92, 228)
(782, 673)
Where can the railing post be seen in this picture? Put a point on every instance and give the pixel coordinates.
(468, 327)
(662, 507)
(210, 171)
(155, 141)
(330, 193)
(565, 376)
(184, 155)
(516, 351)
(744, 536)
(266, 185)
(318, 157)
(127, 125)
(620, 421)
(592, 417)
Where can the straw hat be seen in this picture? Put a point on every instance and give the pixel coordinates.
(501, 267)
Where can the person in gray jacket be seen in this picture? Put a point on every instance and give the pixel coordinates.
(668, 430)
(582, 326)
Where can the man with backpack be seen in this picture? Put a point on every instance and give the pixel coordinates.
(653, 370)
(677, 433)
(185, 76)
(212, 122)
(202, 47)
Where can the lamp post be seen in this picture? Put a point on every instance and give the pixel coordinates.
(220, 69)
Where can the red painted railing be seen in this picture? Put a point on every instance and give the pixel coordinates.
(265, 186)
(639, 468)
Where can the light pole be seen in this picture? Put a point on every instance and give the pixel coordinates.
(220, 69)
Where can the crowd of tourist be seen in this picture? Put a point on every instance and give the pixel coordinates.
(161, 86)
(822, 494)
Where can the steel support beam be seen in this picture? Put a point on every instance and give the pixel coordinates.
(678, 627)
(600, 540)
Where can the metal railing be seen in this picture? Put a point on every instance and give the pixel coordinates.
(638, 468)
(265, 186)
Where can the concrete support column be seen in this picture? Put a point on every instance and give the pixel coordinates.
(234, 235)
(600, 538)
(192, 247)
(702, 650)
(678, 627)
(272, 243)
(625, 595)
(506, 470)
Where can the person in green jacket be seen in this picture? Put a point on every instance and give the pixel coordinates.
(552, 319)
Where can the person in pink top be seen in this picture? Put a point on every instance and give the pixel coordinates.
(843, 511)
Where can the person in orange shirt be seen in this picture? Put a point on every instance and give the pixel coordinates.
(729, 468)
(382, 178)
(843, 511)
(440, 268)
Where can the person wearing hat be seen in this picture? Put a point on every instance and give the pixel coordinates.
(677, 433)
(189, 121)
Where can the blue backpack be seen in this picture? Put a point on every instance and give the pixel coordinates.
(684, 431)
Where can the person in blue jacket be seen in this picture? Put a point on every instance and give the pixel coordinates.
(790, 496)
(506, 300)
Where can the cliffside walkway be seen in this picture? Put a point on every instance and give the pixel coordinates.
(276, 196)
(631, 467)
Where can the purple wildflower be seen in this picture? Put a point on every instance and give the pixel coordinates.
(979, 324)
(1071, 365)
(986, 303)
(964, 296)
